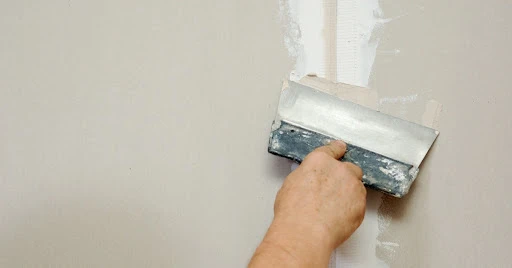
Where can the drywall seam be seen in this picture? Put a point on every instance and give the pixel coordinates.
(330, 38)
(360, 249)
(357, 21)
(336, 39)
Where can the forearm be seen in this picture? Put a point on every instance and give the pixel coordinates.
(292, 245)
(271, 254)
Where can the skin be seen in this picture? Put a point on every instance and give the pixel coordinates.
(318, 207)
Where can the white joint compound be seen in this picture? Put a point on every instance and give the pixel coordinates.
(307, 37)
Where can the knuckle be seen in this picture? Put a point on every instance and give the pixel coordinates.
(332, 151)
(343, 167)
(356, 170)
(316, 156)
(352, 180)
(359, 172)
(360, 211)
(353, 169)
(364, 191)
(310, 157)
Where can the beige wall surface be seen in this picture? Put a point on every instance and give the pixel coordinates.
(134, 133)
(459, 212)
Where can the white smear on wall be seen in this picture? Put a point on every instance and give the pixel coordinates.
(314, 37)
(303, 35)
(292, 33)
(399, 99)
(360, 249)
(357, 25)
(390, 245)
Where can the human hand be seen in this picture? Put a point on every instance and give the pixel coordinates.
(325, 194)
(319, 206)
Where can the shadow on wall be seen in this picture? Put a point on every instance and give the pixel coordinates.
(280, 167)
(89, 233)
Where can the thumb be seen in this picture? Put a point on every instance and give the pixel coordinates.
(336, 149)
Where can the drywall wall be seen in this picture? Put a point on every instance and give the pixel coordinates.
(134, 134)
(416, 53)
(458, 213)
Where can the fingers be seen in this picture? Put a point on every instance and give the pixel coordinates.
(354, 169)
(335, 149)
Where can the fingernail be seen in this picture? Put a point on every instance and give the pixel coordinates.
(340, 143)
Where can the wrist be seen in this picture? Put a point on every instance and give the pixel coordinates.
(304, 243)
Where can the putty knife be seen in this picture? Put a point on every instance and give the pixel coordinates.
(389, 150)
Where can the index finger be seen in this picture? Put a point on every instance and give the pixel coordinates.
(336, 149)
